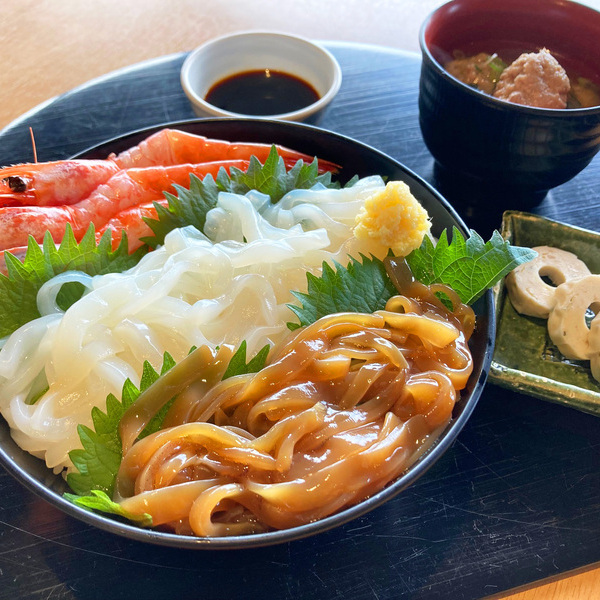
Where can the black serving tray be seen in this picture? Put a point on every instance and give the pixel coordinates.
(514, 500)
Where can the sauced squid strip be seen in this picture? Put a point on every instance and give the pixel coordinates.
(206, 435)
(320, 493)
(529, 293)
(435, 331)
(203, 365)
(208, 503)
(169, 503)
(310, 433)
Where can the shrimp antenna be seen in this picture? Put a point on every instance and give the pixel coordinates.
(33, 145)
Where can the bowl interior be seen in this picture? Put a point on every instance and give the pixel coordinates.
(569, 30)
(355, 159)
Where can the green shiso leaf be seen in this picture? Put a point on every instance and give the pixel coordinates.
(360, 287)
(189, 207)
(239, 366)
(20, 286)
(469, 266)
(100, 501)
(274, 179)
(98, 462)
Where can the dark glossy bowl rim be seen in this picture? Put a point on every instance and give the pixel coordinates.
(416, 470)
(487, 99)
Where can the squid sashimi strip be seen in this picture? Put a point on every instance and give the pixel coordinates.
(171, 146)
(56, 183)
(128, 188)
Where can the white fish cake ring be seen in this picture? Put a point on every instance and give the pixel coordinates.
(529, 293)
(567, 325)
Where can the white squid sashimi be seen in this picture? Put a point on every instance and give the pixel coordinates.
(193, 290)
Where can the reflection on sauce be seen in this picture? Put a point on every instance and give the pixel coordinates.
(262, 92)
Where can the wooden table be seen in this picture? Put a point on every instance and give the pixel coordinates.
(50, 47)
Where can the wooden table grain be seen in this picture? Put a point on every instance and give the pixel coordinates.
(51, 46)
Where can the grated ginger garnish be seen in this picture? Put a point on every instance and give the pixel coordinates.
(393, 218)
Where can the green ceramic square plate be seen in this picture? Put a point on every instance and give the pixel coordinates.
(525, 359)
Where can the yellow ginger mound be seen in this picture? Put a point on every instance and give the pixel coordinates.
(392, 218)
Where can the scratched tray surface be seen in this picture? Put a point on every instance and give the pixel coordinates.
(513, 501)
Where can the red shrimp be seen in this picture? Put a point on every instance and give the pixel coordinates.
(17, 252)
(171, 146)
(127, 188)
(53, 183)
(131, 220)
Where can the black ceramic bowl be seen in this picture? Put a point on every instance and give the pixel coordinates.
(487, 146)
(355, 158)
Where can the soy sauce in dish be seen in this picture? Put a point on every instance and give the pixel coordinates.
(262, 92)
